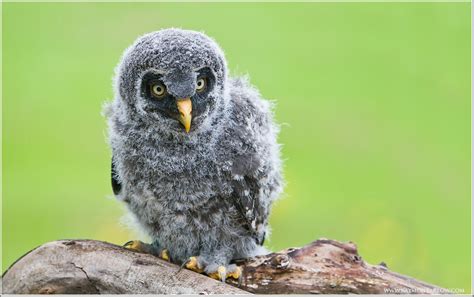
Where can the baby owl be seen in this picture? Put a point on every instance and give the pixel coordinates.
(194, 152)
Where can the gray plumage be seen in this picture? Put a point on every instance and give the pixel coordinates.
(208, 192)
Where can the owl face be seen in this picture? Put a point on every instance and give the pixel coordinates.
(181, 96)
(174, 78)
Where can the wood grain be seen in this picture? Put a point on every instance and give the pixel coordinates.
(96, 267)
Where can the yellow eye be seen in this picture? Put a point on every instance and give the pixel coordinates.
(158, 90)
(201, 84)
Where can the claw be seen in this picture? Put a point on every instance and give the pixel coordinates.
(236, 274)
(192, 264)
(220, 274)
(182, 266)
(141, 247)
(164, 254)
(134, 245)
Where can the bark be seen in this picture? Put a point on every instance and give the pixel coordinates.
(88, 266)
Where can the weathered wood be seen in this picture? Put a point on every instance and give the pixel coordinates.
(87, 266)
(93, 267)
(325, 267)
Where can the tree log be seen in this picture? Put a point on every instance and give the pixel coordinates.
(88, 266)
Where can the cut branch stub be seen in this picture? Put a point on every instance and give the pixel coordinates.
(324, 266)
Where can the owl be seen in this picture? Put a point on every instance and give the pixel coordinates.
(195, 156)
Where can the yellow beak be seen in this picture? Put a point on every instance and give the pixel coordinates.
(185, 108)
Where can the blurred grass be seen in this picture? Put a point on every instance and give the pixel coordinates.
(374, 99)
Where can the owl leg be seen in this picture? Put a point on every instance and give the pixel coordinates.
(154, 248)
(212, 269)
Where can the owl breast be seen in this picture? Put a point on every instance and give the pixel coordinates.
(181, 200)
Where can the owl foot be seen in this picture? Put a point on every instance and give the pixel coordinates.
(224, 272)
(141, 247)
(193, 264)
(217, 272)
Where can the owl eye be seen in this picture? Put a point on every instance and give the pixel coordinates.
(201, 84)
(158, 90)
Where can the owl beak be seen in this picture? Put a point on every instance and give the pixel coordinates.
(185, 108)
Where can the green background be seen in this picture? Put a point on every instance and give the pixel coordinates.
(374, 102)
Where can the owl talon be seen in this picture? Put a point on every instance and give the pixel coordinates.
(224, 273)
(136, 246)
(193, 264)
(236, 274)
(141, 247)
(220, 274)
(164, 254)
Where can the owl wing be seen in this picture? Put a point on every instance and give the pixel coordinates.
(116, 184)
(255, 170)
(247, 200)
(251, 214)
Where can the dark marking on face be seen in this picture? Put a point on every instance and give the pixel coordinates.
(166, 104)
(200, 99)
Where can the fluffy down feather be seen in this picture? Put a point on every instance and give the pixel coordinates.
(206, 193)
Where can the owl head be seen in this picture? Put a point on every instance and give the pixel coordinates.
(174, 79)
